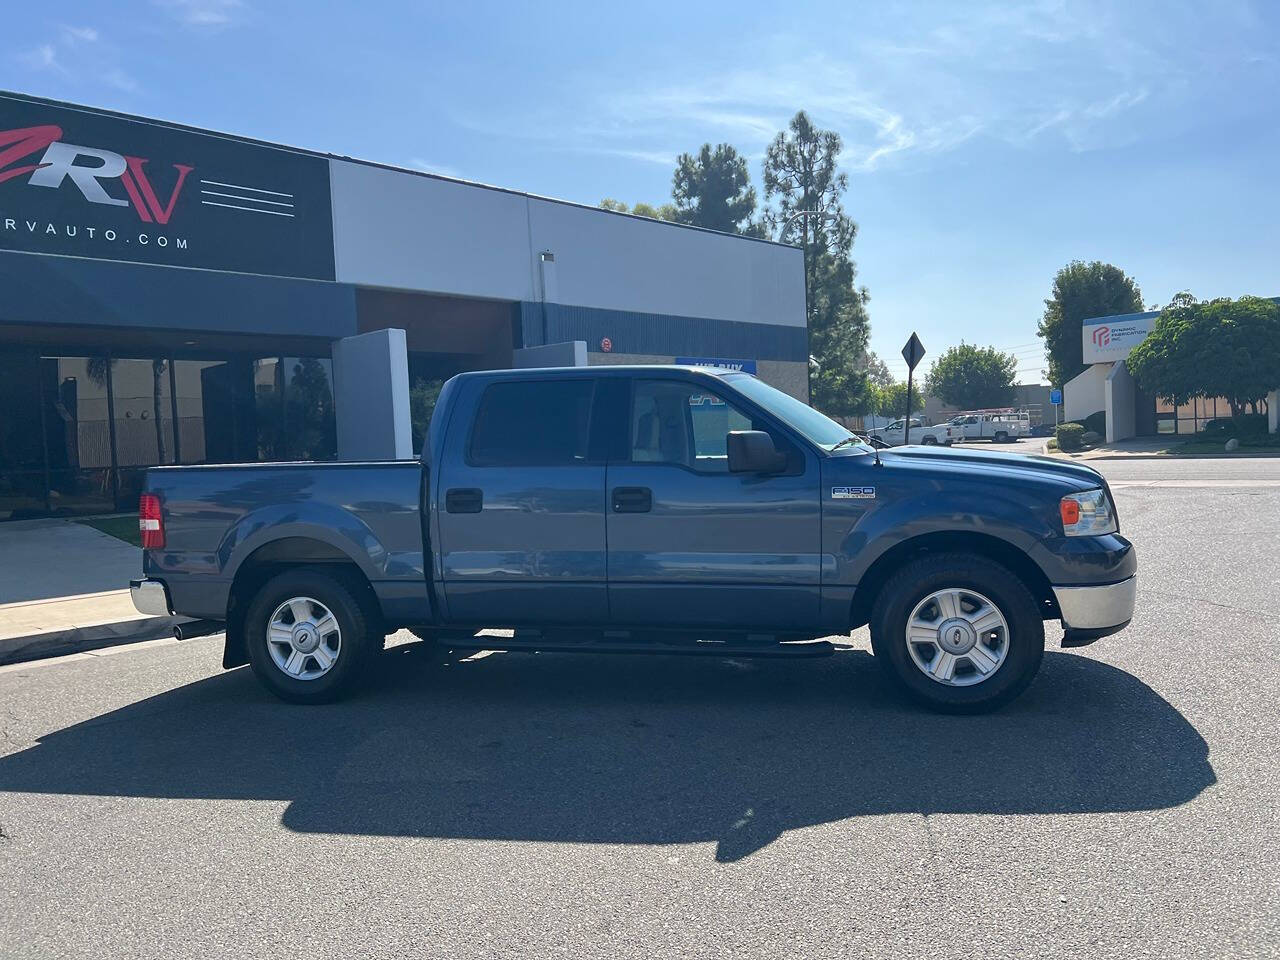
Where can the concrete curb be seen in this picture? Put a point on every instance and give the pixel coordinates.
(53, 643)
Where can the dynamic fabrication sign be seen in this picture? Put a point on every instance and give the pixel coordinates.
(1108, 339)
(87, 184)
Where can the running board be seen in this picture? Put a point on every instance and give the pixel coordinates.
(800, 649)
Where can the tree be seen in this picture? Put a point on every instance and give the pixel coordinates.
(713, 189)
(891, 400)
(1082, 291)
(877, 370)
(972, 377)
(665, 212)
(1221, 348)
(801, 176)
(422, 403)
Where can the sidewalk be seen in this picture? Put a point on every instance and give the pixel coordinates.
(64, 587)
(1158, 448)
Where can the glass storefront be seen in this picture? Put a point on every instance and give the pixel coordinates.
(77, 432)
(1189, 417)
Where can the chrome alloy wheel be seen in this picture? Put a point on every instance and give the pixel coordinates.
(957, 637)
(303, 638)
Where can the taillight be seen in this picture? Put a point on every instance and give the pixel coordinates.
(150, 522)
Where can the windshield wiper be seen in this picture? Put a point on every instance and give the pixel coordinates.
(849, 439)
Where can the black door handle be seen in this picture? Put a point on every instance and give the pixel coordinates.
(632, 499)
(464, 500)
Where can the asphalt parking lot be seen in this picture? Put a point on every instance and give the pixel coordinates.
(517, 806)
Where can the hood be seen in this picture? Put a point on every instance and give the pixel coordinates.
(1007, 466)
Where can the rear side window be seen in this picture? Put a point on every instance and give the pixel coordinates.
(532, 423)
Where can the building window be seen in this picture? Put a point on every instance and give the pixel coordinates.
(78, 432)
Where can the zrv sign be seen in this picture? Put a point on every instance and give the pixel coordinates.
(1112, 338)
(87, 184)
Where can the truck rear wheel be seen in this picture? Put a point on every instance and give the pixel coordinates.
(1000, 437)
(959, 632)
(308, 636)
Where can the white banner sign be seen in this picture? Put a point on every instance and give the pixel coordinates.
(1107, 341)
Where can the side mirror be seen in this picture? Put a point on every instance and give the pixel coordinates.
(752, 451)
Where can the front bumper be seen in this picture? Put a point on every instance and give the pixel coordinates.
(1090, 613)
(150, 597)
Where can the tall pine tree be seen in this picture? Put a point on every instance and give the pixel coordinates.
(803, 181)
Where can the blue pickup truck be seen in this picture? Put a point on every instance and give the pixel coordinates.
(642, 509)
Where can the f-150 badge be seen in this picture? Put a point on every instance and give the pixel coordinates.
(853, 493)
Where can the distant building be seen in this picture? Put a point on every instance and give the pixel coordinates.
(1107, 386)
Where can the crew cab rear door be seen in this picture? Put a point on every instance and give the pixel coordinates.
(522, 504)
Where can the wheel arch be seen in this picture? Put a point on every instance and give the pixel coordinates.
(275, 557)
(951, 541)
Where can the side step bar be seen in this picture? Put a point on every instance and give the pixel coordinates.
(801, 649)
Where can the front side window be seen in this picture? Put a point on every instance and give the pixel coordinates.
(533, 423)
(683, 423)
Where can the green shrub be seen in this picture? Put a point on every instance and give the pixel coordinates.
(1097, 422)
(1090, 437)
(1248, 425)
(1070, 436)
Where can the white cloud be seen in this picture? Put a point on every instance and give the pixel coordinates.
(203, 13)
(88, 56)
(74, 35)
(43, 57)
(121, 80)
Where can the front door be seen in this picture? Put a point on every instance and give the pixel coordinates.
(522, 505)
(691, 544)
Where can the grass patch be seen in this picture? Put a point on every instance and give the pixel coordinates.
(122, 528)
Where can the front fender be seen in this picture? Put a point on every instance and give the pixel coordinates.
(1020, 522)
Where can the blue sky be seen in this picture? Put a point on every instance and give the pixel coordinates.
(986, 143)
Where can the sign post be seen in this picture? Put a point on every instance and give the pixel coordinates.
(1055, 397)
(911, 353)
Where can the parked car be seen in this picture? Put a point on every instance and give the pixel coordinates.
(641, 510)
(895, 434)
(1000, 426)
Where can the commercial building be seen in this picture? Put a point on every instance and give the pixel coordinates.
(1107, 386)
(173, 295)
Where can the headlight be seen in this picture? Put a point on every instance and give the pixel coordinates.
(1088, 514)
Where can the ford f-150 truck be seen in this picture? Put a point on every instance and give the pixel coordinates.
(642, 509)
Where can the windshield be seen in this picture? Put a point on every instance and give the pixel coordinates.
(817, 428)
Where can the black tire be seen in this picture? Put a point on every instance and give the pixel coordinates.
(929, 441)
(1000, 437)
(360, 635)
(966, 571)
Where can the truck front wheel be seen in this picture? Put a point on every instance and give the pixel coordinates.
(959, 632)
(308, 636)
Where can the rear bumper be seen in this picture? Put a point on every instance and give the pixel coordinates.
(150, 597)
(1089, 613)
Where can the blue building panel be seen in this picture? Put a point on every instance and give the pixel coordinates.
(71, 291)
(661, 335)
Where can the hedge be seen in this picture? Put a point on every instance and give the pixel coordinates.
(1070, 436)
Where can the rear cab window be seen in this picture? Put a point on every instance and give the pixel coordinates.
(523, 423)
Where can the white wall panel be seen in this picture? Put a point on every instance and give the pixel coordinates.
(395, 229)
(624, 263)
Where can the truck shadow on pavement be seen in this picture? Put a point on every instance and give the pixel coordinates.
(600, 749)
